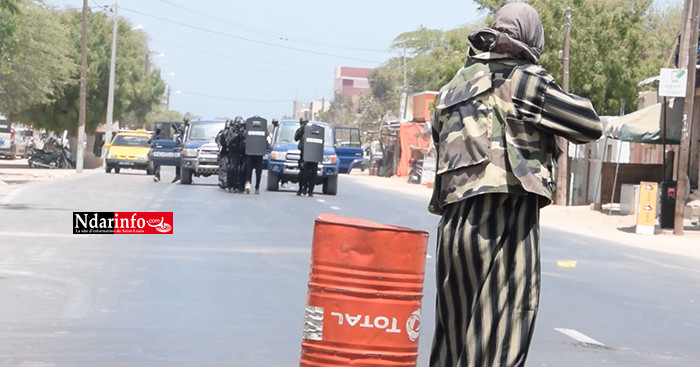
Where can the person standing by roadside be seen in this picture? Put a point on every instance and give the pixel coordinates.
(239, 157)
(494, 131)
(221, 141)
(256, 143)
(299, 136)
(157, 132)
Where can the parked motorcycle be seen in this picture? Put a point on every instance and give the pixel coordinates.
(54, 154)
(415, 171)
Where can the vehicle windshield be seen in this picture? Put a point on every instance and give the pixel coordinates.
(205, 130)
(166, 131)
(286, 134)
(131, 141)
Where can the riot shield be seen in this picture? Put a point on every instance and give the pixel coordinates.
(256, 136)
(313, 144)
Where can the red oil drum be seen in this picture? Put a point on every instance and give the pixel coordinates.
(364, 297)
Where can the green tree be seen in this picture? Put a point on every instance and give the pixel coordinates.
(432, 56)
(431, 59)
(137, 90)
(341, 111)
(613, 46)
(386, 82)
(159, 116)
(9, 11)
(10, 5)
(41, 67)
(371, 112)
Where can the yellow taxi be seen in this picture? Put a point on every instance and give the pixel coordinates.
(129, 149)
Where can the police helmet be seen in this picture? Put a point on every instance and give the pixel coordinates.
(238, 120)
(303, 121)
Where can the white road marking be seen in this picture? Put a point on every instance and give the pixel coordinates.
(335, 208)
(52, 235)
(11, 195)
(580, 337)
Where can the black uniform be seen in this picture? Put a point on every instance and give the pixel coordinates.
(307, 170)
(221, 140)
(298, 136)
(257, 142)
(237, 157)
(310, 173)
(255, 162)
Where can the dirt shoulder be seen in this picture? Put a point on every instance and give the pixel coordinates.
(581, 220)
(17, 172)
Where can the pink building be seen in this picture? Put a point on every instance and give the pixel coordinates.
(351, 81)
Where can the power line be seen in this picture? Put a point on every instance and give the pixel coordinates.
(229, 57)
(198, 62)
(585, 36)
(238, 99)
(268, 33)
(249, 39)
(207, 82)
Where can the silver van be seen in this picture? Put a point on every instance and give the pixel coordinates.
(24, 140)
(8, 149)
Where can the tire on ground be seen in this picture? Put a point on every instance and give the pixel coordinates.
(273, 182)
(186, 176)
(330, 185)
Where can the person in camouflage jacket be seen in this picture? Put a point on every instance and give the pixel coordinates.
(494, 130)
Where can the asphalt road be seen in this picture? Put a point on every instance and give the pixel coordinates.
(229, 287)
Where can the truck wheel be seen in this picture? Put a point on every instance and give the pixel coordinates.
(108, 169)
(273, 182)
(186, 176)
(330, 185)
(116, 169)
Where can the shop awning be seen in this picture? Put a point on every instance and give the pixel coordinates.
(645, 125)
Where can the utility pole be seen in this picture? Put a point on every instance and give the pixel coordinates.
(109, 120)
(561, 194)
(167, 101)
(404, 106)
(82, 98)
(689, 41)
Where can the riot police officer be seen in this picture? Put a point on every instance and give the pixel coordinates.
(299, 136)
(238, 156)
(256, 143)
(221, 140)
(156, 166)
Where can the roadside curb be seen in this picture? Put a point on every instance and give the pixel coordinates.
(20, 178)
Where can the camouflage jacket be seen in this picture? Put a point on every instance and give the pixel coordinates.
(494, 126)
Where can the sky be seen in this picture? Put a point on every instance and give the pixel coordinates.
(227, 59)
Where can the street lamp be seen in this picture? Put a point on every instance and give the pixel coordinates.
(156, 55)
(167, 104)
(109, 120)
(83, 93)
(110, 94)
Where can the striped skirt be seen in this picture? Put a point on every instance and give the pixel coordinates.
(488, 281)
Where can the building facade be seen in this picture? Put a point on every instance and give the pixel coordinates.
(351, 82)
